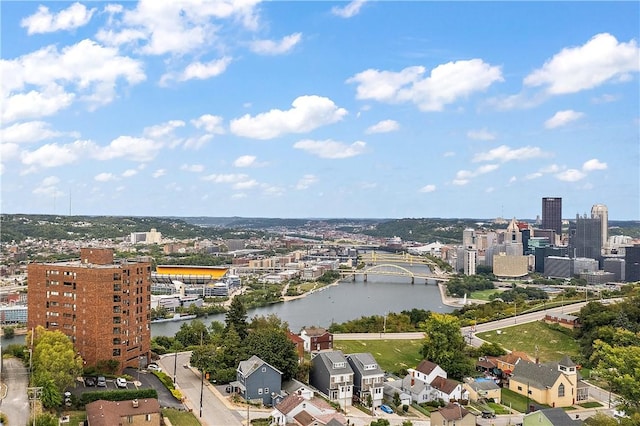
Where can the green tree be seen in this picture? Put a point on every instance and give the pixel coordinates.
(9, 332)
(51, 397)
(444, 345)
(601, 419)
(396, 399)
(274, 347)
(237, 316)
(380, 422)
(193, 334)
(54, 359)
(46, 419)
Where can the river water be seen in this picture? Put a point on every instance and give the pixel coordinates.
(346, 301)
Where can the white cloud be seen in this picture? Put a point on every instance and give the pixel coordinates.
(246, 161)
(306, 181)
(194, 168)
(552, 168)
(43, 21)
(349, 10)
(562, 118)
(129, 173)
(159, 131)
(93, 71)
(159, 173)
(331, 149)
(605, 99)
(428, 188)
(238, 196)
(446, 84)
(180, 27)
(449, 154)
(534, 175)
(105, 177)
(197, 142)
(463, 177)
(584, 67)
(245, 184)
(308, 113)
(48, 187)
(31, 131)
(571, 175)
(130, 148)
(225, 178)
(270, 47)
(593, 164)
(54, 155)
(203, 71)
(505, 153)
(210, 123)
(384, 126)
(481, 135)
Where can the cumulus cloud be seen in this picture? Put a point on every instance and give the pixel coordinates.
(159, 173)
(463, 177)
(245, 184)
(306, 181)
(593, 164)
(31, 131)
(200, 71)
(428, 188)
(270, 47)
(48, 187)
(598, 61)
(131, 148)
(330, 148)
(194, 168)
(247, 161)
(162, 130)
(571, 175)
(308, 113)
(384, 126)
(481, 135)
(225, 178)
(505, 153)
(35, 104)
(210, 123)
(43, 21)
(350, 10)
(105, 177)
(446, 84)
(129, 173)
(562, 118)
(54, 155)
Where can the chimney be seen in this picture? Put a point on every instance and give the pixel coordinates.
(135, 403)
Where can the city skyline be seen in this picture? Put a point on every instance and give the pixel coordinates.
(320, 109)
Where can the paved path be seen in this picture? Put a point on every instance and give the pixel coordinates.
(15, 405)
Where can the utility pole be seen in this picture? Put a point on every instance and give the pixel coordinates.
(34, 395)
(175, 364)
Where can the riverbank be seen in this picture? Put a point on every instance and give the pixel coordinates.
(313, 290)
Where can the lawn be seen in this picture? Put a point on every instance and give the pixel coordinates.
(392, 355)
(483, 294)
(516, 401)
(550, 345)
(76, 418)
(182, 418)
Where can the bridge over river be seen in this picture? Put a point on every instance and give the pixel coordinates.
(381, 263)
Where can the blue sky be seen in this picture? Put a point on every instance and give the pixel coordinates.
(320, 109)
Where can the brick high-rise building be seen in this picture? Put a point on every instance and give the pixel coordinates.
(102, 304)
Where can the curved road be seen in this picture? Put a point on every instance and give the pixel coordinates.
(16, 404)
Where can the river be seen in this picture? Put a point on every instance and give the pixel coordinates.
(339, 303)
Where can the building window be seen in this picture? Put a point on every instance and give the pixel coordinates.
(519, 388)
(266, 390)
(130, 419)
(264, 369)
(259, 391)
(148, 417)
(561, 390)
(116, 352)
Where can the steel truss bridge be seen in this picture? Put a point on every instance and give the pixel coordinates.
(394, 265)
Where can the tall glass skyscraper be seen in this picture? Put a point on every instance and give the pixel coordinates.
(552, 214)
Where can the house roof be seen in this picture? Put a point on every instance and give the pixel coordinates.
(293, 385)
(453, 412)
(444, 385)
(248, 367)
(484, 385)
(566, 361)
(556, 416)
(330, 358)
(485, 363)
(304, 418)
(294, 337)
(539, 376)
(426, 366)
(361, 360)
(513, 357)
(314, 331)
(289, 403)
(109, 413)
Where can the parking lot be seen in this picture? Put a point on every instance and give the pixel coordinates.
(141, 380)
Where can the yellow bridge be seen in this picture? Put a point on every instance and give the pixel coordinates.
(392, 265)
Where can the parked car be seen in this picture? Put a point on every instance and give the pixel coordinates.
(89, 381)
(102, 382)
(154, 367)
(386, 409)
(488, 415)
(121, 382)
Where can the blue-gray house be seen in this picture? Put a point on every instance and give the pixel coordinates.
(258, 381)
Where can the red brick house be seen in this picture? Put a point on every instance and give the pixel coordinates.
(316, 339)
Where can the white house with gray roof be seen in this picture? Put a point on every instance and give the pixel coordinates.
(368, 378)
(332, 375)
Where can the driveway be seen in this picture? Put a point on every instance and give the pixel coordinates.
(16, 404)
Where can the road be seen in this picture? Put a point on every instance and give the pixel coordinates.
(15, 405)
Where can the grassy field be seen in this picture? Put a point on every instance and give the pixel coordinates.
(392, 355)
(182, 418)
(551, 344)
(483, 294)
(516, 401)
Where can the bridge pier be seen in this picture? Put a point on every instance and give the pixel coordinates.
(365, 278)
(413, 279)
(353, 278)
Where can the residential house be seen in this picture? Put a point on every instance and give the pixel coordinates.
(256, 380)
(453, 415)
(563, 320)
(299, 342)
(507, 362)
(332, 375)
(483, 389)
(316, 339)
(550, 417)
(448, 389)
(136, 412)
(296, 409)
(368, 378)
(416, 390)
(553, 383)
(391, 387)
(426, 371)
